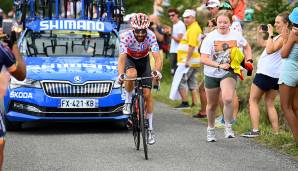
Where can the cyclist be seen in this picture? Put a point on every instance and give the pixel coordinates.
(10, 57)
(134, 61)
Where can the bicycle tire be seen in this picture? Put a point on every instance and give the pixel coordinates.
(135, 124)
(144, 129)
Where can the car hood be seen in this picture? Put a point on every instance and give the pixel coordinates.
(67, 68)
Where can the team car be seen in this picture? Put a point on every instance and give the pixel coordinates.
(71, 63)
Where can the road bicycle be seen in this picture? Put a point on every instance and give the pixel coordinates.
(139, 122)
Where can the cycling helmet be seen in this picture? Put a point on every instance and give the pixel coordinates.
(140, 21)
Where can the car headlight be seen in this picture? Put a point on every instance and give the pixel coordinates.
(26, 83)
(116, 84)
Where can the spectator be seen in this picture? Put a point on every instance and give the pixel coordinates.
(203, 5)
(157, 7)
(176, 36)
(211, 25)
(188, 58)
(288, 80)
(236, 23)
(238, 9)
(265, 82)
(9, 56)
(202, 94)
(215, 55)
(214, 7)
(158, 30)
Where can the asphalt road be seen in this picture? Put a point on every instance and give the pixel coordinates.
(181, 145)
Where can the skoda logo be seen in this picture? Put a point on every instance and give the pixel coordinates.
(77, 79)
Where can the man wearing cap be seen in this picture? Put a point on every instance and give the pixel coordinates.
(189, 58)
(213, 7)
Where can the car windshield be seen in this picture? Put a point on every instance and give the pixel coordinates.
(69, 43)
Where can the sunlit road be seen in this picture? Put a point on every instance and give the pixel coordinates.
(181, 145)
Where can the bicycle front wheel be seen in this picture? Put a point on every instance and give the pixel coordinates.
(144, 128)
(135, 123)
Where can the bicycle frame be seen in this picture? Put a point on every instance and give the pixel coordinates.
(138, 114)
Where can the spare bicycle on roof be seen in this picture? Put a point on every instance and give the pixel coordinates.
(102, 10)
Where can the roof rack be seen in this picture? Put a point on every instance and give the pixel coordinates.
(111, 11)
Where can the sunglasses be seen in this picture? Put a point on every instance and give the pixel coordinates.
(172, 15)
(140, 31)
(295, 25)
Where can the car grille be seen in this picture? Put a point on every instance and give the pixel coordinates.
(67, 89)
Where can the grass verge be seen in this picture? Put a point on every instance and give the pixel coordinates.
(283, 142)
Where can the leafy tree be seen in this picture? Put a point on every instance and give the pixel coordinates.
(269, 10)
(185, 4)
(144, 6)
(6, 5)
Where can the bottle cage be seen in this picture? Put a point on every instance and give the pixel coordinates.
(101, 10)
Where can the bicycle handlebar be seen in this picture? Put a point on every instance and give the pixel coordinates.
(157, 87)
(136, 78)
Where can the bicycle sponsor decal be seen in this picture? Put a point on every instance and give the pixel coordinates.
(70, 24)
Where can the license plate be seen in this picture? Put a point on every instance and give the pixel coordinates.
(79, 103)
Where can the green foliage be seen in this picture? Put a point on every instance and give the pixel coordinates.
(269, 10)
(182, 5)
(6, 5)
(139, 6)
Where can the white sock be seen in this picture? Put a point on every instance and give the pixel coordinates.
(128, 97)
(150, 119)
(228, 125)
(255, 130)
(209, 128)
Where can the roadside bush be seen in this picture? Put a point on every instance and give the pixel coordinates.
(269, 10)
(6, 6)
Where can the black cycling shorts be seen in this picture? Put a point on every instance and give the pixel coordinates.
(143, 69)
(265, 82)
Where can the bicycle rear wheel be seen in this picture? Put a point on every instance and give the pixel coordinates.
(135, 123)
(144, 128)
